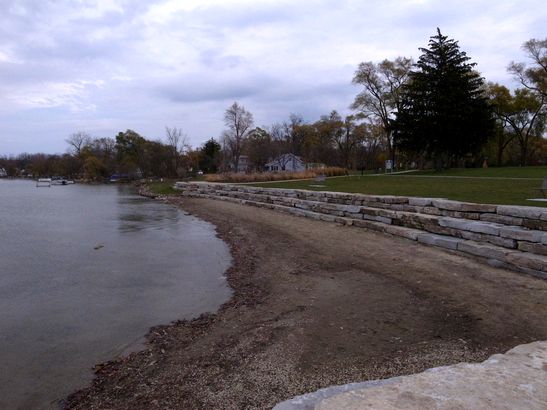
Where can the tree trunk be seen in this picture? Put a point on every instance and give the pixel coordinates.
(500, 155)
(523, 154)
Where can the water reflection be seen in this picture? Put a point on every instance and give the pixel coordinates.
(133, 216)
(85, 272)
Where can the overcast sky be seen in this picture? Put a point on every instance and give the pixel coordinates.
(106, 66)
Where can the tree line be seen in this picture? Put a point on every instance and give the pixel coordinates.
(436, 112)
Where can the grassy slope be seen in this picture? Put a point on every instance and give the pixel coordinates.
(505, 172)
(162, 188)
(482, 190)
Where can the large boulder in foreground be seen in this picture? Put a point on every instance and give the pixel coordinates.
(514, 380)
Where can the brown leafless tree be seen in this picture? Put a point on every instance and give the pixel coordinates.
(239, 122)
(177, 141)
(533, 77)
(379, 100)
(77, 141)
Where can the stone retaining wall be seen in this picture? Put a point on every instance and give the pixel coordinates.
(514, 237)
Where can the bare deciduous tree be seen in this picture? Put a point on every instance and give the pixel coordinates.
(177, 141)
(530, 104)
(380, 99)
(78, 141)
(533, 77)
(239, 122)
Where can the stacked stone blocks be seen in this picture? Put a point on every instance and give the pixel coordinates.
(513, 237)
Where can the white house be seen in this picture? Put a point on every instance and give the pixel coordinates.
(244, 164)
(3, 173)
(286, 162)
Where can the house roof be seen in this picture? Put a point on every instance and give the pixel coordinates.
(284, 159)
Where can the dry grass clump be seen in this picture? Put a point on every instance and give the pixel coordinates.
(274, 176)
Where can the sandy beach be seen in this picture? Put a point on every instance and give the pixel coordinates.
(317, 304)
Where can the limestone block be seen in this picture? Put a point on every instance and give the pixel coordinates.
(395, 207)
(438, 240)
(353, 215)
(463, 206)
(467, 215)
(528, 260)
(313, 215)
(501, 219)
(381, 219)
(418, 221)
(378, 212)
(528, 271)
(327, 218)
(408, 233)
(462, 215)
(529, 212)
(472, 226)
(335, 209)
(536, 248)
(412, 208)
(421, 201)
(535, 224)
(351, 208)
(484, 250)
(495, 240)
(441, 230)
(344, 221)
(379, 205)
(521, 234)
(297, 211)
(390, 199)
(336, 195)
(514, 380)
(335, 213)
(374, 226)
(431, 210)
(444, 212)
(364, 198)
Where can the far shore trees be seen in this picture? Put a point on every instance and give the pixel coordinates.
(77, 141)
(444, 111)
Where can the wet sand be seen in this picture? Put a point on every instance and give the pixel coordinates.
(317, 304)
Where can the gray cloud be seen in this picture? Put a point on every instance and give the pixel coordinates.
(107, 65)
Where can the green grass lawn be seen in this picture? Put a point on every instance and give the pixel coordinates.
(442, 185)
(162, 188)
(504, 172)
(166, 186)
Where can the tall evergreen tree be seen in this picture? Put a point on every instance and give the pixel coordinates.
(444, 112)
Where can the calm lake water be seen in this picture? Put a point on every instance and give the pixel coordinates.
(85, 271)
